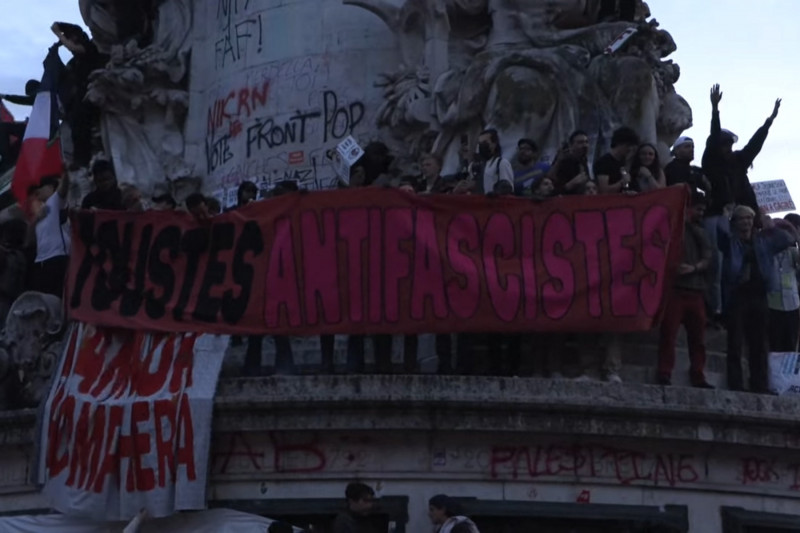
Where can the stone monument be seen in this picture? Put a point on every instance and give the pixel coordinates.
(274, 86)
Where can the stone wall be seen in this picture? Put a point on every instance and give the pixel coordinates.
(502, 441)
(275, 85)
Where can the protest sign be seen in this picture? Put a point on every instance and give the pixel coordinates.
(347, 153)
(127, 423)
(370, 260)
(773, 196)
(784, 372)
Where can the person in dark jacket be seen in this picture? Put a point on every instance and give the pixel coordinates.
(727, 168)
(681, 170)
(431, 180)
(360, 501)
(727, 171)
(748, 276)
(106, 193)
(686, 303)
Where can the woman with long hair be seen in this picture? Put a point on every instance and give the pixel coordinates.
(646, 169)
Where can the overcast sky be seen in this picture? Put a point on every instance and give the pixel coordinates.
(750, 48)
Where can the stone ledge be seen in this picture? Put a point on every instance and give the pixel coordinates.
(488, 404)
(458, 403)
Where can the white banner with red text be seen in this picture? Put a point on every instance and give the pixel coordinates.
(213, 521)
(127, 423)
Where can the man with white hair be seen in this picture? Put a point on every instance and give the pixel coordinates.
(749, 275)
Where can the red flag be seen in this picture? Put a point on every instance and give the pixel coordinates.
(5, 114)
(40, 154)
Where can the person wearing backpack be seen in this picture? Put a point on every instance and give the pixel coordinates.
(445, 514)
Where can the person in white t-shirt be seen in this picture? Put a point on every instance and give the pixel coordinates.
(52, 235)
(496, 168)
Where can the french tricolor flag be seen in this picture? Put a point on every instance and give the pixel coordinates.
(40, 154)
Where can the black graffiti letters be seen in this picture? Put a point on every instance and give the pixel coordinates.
(218, 152)
(269, 134)
(340, 121)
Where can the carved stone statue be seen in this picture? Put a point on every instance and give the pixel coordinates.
(30, 346)
(142, 91)
(530, 68)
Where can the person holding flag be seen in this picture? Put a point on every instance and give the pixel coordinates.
(48, 204)
(40, 153)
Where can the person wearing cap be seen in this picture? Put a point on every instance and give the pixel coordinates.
(727, 168)
(681, 170)
(686, 303)
(748, 275)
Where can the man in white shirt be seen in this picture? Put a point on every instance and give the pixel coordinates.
(52, 235)
(496, 168)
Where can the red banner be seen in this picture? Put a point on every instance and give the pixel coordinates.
(382, 261)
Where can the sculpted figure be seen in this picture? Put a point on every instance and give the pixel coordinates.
(142, 91)
(30, 346)
(530, 68)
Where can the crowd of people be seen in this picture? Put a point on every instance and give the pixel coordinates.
(738, 271)
(445, 513)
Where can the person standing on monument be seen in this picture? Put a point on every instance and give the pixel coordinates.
(646, 171)
(681, 170)
(106, 193)
(610, 169)
(722, 164)
(748, 275)
(570, 171)
(730, 186)
(528, 170)
(495, 167)
(784, 300)
(686, 302)
(52, 234)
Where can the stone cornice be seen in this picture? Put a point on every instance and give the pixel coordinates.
(455, 403)
(487, 404)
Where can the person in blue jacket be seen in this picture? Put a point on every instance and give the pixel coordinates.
(748, 275)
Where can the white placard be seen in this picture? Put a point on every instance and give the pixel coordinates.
(348, 152)
(773, 196)
(621, 39)
(784, 373)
